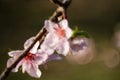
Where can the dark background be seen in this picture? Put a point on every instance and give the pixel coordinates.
(21, 19)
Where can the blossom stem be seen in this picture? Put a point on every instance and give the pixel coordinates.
(40, 36)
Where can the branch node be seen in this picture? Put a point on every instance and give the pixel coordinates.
(62, 3)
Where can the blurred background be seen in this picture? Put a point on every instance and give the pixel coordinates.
(21, 19)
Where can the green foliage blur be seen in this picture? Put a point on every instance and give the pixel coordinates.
(21, 19)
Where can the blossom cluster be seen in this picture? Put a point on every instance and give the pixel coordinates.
(57, 41)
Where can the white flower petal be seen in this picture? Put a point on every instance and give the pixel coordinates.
(64, 23)
(15, 53)
(50, 26)
(63, 47)
(50, 41)
(25, 66)
(10, 61)
(28, 42)
(17, 67)
(40, 58)
(47, 51)
(35, 47)
(34, 71)
(68, 32)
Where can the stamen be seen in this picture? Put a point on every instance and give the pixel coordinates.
(30, 56)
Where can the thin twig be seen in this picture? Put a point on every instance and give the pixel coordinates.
(39, 37)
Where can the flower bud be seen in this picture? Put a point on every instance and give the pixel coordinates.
(82, 50)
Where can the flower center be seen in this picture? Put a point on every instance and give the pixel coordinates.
(60, 32)
(30, 56)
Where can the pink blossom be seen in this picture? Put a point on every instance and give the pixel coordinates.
(78, 44)
(57, 37)
(31, 62)
(82, 50)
